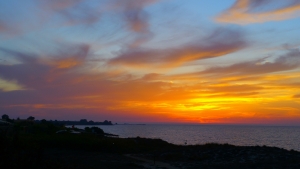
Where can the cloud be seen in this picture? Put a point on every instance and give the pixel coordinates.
(296, 96)
(289, 61)
(151, 76)
(9, 85)
(35, 71)
(134, 14)
(72, 12)
(66, 92)
(49, 14)
(258, 11)
(136, 18)
(61, 5)
(233, 88)
(9, 28)
(57, 82)
(75, 57)
(4, 27)
(80, 81)
(219, 43)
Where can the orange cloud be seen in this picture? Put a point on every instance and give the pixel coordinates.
(296, 96)
(237, 93)
(74, 58)
(249, 11)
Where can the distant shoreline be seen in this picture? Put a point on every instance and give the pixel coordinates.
(130, 124)
(81, 122)
(103, 124)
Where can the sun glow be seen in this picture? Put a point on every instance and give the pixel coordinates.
(152, 61)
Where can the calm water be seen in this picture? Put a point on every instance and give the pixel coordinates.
(283, 137)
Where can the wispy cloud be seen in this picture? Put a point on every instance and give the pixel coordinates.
(54, 90)
(296, 96)
(289, 61)
(4, 27)
(72, 12)
(36, 71)
(134, 13)
(130, 59)
(258, 11)
(136, 18)
(219, 43)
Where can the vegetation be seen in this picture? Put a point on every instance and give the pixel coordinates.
(82, 122)
(5, 117)
(27, 144)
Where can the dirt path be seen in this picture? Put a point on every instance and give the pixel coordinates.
(149, 164)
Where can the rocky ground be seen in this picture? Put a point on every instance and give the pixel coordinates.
(207, 156)
(43, 148)
(227, 156)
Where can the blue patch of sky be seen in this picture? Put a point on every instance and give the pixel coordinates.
(179, 22)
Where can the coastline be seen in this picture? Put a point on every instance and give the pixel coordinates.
(282, 137)
(76, 151)
(31, 145)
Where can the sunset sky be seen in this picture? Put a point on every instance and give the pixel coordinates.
(151, 61)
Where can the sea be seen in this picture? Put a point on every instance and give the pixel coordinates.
(287, 137)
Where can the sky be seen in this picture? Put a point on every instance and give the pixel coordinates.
(151, 61)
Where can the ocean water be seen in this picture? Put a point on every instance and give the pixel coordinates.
(286, 137)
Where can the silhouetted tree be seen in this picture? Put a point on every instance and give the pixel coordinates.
(43, 121)
(83, 121)
(97, 130)
(87, 129)
(107, 122)
(30, 118)
(5, 117)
